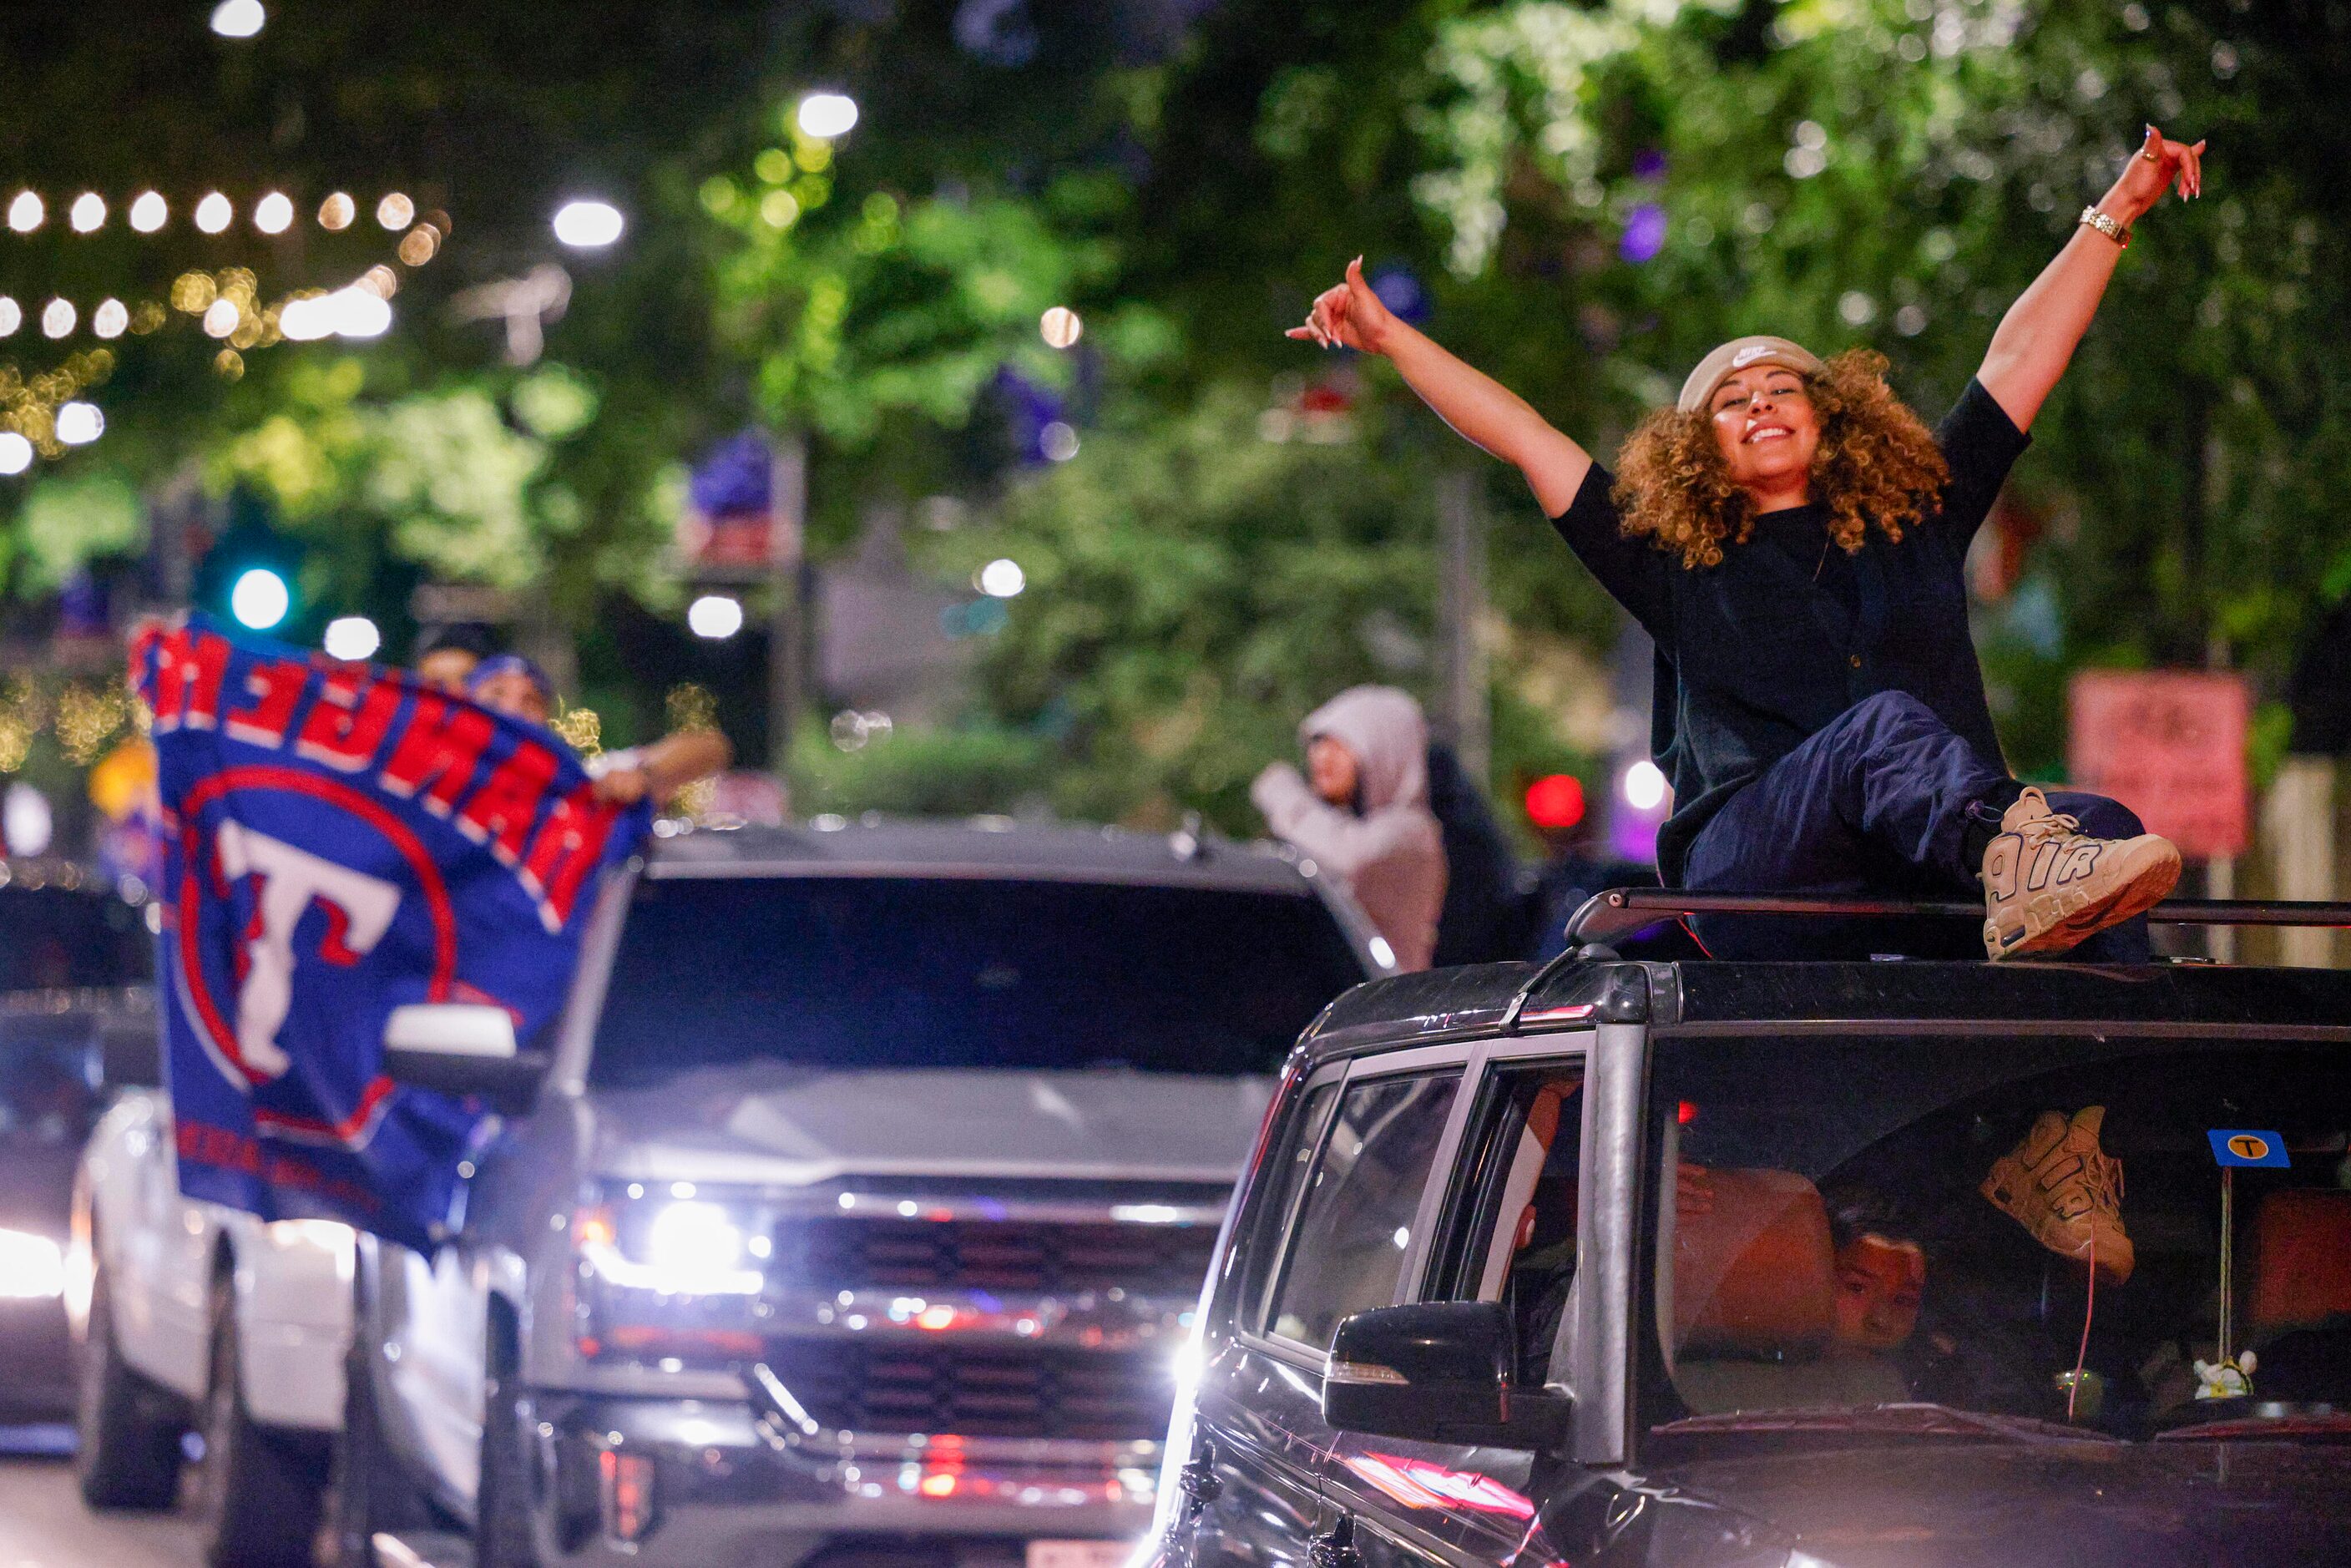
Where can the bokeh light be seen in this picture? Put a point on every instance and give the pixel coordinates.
(714, 616)
(79, 423)
(148, 212)
(26, 213)
(16, 453)
(1644, 786)
(57, 317)
(12, 316)
(587, 225)
(395, 212)
(336, 212)
(1061, 327)
(87, 214)
(274, 214)
(214, 213)
(351, 637)
(259, 599)
(110, 320)
(239, 18)
(1001, 578)
(825, 115)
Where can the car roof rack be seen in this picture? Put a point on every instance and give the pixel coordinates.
(1620, 910)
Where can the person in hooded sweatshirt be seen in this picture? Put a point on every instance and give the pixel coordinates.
(1365, 816)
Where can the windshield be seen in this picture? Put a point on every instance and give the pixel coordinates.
(922, 972)
(2029, 1229)
(53, 937)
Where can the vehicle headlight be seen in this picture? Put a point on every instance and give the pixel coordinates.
(673, 1281)
(682, 1247)
(32, 1268)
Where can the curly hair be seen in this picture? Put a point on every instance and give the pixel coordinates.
(1877, 465)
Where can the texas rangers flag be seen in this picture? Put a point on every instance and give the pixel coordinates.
(340, 841)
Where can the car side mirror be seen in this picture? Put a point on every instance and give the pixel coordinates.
(462, 1048)
(1434, 1371)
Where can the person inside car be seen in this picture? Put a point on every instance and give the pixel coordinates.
(1794, 537)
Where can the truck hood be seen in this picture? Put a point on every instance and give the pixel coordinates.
(2082, 1505)
(777, 1125)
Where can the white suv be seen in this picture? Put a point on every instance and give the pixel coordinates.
(193, 1319)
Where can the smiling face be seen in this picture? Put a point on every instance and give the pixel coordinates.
(1764, 422)
(1879, 1284)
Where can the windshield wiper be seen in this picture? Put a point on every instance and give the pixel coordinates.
(1909, 1420)
(2314, 1423)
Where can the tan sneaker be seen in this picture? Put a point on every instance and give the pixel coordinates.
(2047, 884)
(2059, 1184)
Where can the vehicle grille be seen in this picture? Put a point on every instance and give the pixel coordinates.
(846, 1253)
(938, 1387)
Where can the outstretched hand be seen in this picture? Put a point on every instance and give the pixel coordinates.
(2159, 165)
(1349, 316)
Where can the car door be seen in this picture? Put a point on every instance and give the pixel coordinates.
(430, 1313)
(1330, 1235)
(1504, 1227)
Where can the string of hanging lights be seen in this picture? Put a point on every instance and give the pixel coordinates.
(40, 413)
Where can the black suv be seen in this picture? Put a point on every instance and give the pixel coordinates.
(1823, 1264)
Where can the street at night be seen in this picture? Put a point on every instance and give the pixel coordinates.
(1175, 784)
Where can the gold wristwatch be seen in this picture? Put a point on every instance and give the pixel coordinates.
(2106, 226)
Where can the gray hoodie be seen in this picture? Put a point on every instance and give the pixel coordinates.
(1391, 855)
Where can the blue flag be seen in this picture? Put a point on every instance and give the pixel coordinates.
(340, 841)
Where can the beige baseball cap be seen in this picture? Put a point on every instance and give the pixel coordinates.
(1736, 355)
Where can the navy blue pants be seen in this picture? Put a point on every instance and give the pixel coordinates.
(1874, 802)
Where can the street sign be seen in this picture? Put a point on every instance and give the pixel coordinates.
(2170, 745)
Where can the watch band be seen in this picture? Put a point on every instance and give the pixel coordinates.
(2106, 226)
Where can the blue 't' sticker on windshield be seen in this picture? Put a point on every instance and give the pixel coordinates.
(2241, 1146)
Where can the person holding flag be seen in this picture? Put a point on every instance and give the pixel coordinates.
(1792, 537)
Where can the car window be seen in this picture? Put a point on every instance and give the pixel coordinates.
(1289, 1158)
(1513, 1236)
(917, 971)
(1347, 1247)
(1849, 1224)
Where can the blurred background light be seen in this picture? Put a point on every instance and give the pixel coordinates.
(79, 423)
(1058, 441)
(351, 637)
(87, 214)
(214, 213)
(27, 824)
(1061, 327)
(1001, 578)
(149, 211)
(259, 599)
(1644, 786)
(57, 317)
(825, 115)
(239, 18)
(1555, 802)
(12, 316)
(586, 226)
(338, 211)
(357, 312)
(16, 453)
(274, 214)
(26, 213)
(395, 211)
(110, 320)
(714, 616)
(221, 318)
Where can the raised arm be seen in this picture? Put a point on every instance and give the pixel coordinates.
(2037, 337)
(1484, 411)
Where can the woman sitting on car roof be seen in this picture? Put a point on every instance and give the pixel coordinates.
(1793, 537)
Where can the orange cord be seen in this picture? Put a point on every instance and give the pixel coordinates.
(2089, 1309)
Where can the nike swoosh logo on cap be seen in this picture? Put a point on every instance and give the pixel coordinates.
(1749, 355)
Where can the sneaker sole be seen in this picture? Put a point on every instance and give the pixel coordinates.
(2067, 915)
